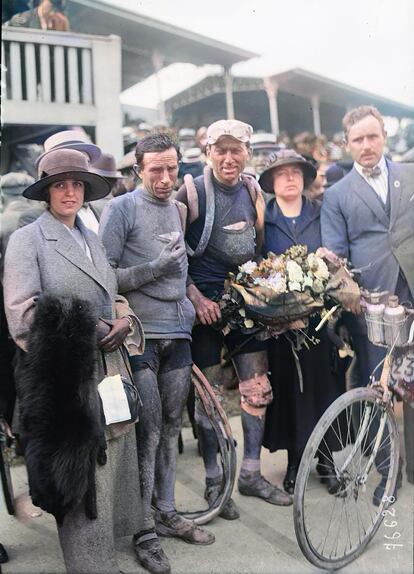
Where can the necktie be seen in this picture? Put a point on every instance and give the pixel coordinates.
(372, 171)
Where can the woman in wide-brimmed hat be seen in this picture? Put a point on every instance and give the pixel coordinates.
(292, 219)
(56, 268)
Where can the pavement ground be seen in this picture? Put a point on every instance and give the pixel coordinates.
(262, 541)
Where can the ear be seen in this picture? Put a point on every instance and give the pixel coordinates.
(137, 170)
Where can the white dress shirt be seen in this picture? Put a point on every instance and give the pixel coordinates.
(88, 218)
(380, 183)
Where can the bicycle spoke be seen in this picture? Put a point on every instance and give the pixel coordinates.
(356, 433)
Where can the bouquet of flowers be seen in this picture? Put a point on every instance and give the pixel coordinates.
(282, 289)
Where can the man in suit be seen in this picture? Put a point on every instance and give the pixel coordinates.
(368, 217)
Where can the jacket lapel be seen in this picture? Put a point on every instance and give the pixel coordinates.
(395, 190)
(67, 246)
(310, 211)
(274, 217)
(366, 194)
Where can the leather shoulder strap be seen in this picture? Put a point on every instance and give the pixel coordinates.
(192, 198)
(258, 201)
(209, 216)
(182, 212)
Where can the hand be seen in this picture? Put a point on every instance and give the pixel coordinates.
(116, 335)
(208, 312)
(102, 329)
(170, 260)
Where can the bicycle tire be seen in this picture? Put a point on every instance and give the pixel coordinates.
(226, 445)
(312, 500)
(5, 475)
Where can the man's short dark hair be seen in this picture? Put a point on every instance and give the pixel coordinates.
(155, 142)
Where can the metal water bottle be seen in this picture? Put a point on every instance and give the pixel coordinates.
(375, 316)
(395, 326)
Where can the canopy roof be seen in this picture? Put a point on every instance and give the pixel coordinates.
(142, 35)
(297, 82)
(303, 83)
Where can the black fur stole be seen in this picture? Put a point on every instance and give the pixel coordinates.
(61, 421)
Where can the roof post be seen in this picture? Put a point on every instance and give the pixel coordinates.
(158, 63)
(106, 55)
(316, 115)
(271, 87)
(228, 82)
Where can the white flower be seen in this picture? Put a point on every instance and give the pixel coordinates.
(318, 286)
(318, 266)
(308, 281)
(294, 271)
(295, 286)
(312, 261)
(276, 282)
(248, 267)
(322, 272)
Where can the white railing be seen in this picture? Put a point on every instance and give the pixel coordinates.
(62, 78)
(47, 67)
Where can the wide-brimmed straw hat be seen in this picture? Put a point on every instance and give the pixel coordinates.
(61, 164)
(105, 166)
(70, 139)
(286, 157)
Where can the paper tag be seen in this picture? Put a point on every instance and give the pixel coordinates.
(114, 400)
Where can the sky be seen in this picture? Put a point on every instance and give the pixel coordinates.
(368, 44)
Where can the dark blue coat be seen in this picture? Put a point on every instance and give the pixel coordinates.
(278, 234)
(292, 415)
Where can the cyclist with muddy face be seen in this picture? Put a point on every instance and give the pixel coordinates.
(225, 230)
(143, 237)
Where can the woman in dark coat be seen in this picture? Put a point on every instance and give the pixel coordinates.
(292, 219)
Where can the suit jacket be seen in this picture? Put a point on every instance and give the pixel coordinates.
(378, 240)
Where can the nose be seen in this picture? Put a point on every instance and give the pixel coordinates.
(69, 188)
(165, 178)
(366, 143)
(228, 157)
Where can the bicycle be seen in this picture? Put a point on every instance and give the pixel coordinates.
(334, 528)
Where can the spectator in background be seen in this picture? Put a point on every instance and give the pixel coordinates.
(305, 143)
(201, 139)
(105, 166)
(283, 140)
(186, 139)
(192, 162)
(262, 145)
(317, 187)
(131, 177)
(45, 15)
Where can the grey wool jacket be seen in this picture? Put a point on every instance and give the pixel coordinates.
(134, 229)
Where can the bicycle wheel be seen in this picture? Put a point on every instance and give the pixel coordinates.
(359, 438)
(226, 446)
(5, 476)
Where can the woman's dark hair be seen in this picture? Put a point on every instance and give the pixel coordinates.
(155, 142)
